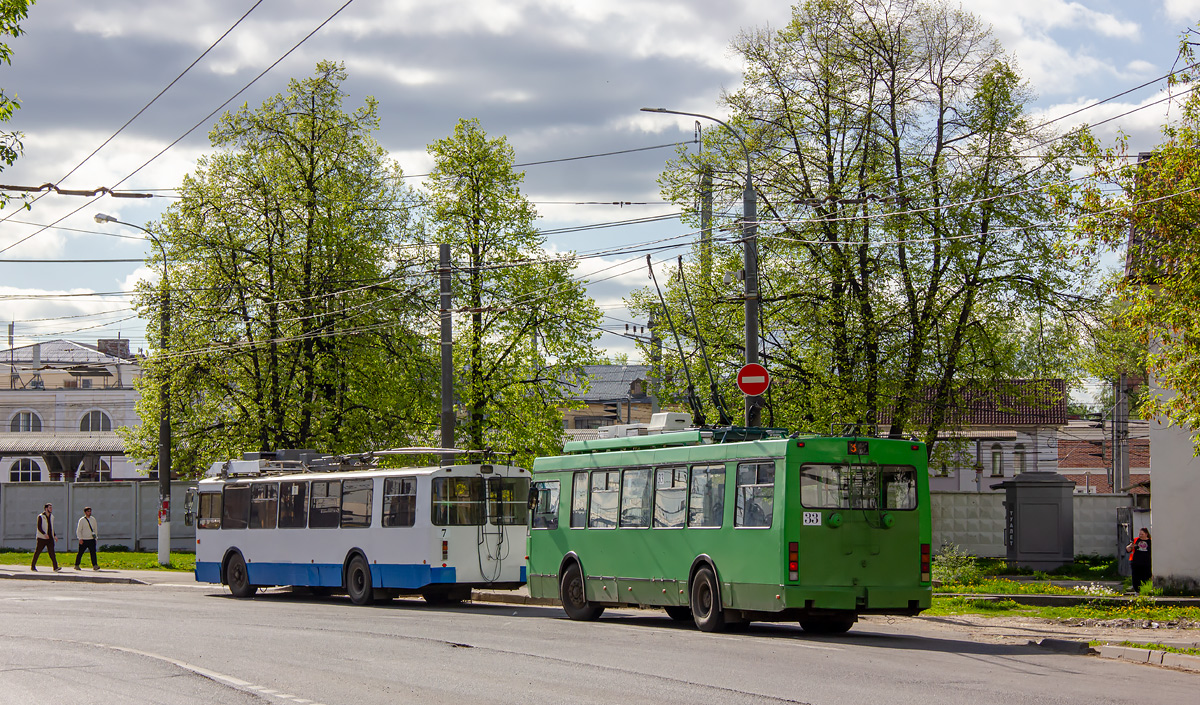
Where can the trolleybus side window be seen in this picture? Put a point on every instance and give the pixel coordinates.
(264, 505)
(293, 505)
(755, 494)
(670, 496)
(356, 503)
(399, 501)
(706, 499)
(508, 500)
(235, 509)
(635, 498)
(458, 501)
(325, 510)
(545, 510)
(579, 500)
(605, 493)
(210, 511)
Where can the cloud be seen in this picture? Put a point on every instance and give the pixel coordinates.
(1187, 11)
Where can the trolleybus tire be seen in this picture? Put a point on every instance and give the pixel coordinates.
(358, 581)
(237, 577)
(679, 613)
(706, 602)
(827, 624)
(573, 597)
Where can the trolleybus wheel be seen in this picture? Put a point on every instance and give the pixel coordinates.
(237, 577)
(826, 624)
(706, 602)
(358, 581)
(573, 597)
(680, 613)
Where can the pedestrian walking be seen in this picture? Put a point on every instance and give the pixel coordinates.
(1139, 558)
(45, 537)
(86, 531)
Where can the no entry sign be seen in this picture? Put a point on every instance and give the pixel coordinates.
(753, 379)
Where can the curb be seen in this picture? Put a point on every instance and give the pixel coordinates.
(1152, 657)
(512, 598)
(1065, 646)
(80, 577)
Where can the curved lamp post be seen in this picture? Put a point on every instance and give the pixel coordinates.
(164, 421)
(749, 254)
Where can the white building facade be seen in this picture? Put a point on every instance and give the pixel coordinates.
(61, 408)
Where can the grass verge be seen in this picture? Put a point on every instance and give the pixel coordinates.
(1153, 647)
(1134, 610)
(112, 560)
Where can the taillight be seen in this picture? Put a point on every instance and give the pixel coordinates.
(445, 549)
(793, 561)
(925, 577)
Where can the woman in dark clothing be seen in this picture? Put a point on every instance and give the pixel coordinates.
(1139, 558)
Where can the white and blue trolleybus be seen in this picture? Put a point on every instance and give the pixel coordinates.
(371, 532)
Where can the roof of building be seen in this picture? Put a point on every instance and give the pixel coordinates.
(616, 382)
(59, 353)
(1016, 402)
(1098, 454)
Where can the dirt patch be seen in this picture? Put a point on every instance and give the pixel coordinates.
(1020, 630)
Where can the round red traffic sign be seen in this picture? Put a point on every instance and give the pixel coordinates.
(753, 379)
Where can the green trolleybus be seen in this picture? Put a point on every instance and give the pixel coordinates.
(814, 529)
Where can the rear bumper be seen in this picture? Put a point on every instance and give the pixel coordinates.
(862, 600)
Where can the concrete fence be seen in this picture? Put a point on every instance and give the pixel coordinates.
(126, 513)
(975, 522)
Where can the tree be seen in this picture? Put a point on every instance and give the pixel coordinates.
(11, 14)
(1153, 212)
(525, 326)
(906, 218)
(293, 322)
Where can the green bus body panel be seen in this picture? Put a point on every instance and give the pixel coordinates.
(861, 565)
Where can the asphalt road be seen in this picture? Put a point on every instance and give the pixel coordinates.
(75, 642)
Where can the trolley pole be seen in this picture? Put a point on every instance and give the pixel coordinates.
(447, 358)
(750, 256)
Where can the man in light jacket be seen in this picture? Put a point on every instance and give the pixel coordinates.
(86, 531)
(45, 537)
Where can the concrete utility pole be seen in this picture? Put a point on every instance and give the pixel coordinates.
(749, 256)
(447, 351)
(164, 392)
(1121, 436)
(706, 225)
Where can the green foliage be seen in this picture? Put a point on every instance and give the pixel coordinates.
(528, 325)
(293, 320)
(953, 566)
(908, 244)
(11, 14)
(1153, 320)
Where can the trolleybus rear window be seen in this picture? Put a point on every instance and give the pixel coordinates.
(508, 500)
(458, 501)
(858, 486)
(545, 509)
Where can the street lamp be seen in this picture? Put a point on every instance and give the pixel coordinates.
(164, 412)
(749, 255)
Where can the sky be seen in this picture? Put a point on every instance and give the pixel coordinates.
(558, 78)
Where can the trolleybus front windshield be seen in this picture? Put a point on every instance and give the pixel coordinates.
(836, 486)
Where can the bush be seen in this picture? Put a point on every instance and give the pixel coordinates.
(952, 565)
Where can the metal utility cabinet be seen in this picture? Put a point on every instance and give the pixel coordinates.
(1039, 520)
